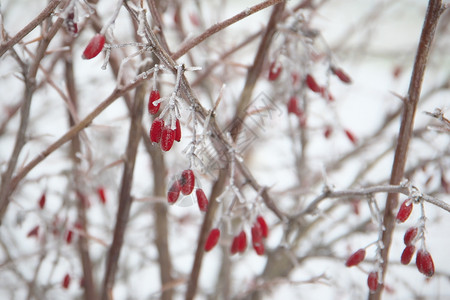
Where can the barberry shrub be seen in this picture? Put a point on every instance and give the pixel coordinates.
(224, 149)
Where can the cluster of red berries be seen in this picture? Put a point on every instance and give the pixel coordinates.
(424, 261)
(185, 185)
(159, 132)
(259, 232)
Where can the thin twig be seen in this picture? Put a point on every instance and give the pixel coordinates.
(46, 12)
(219, 26)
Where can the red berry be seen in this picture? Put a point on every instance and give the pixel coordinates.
(259, 248)
(239, 243)
(257, 236)
(66, 281)
(424, 262)
(174, 192)
(69, 236)
(293, 108)
(156, 130)
(101, 194)
(71, 25)
(234, 245)
(242, 244)
(341, 75)
(167, 138)
(264, 228)
(328, 131)
(94, 47)
(42, 201)
(257, 233)
(212, 239)
(410, 234)
(154, 96)
(351, 137)
(312, 84)
(187, 182)
(202, 200)
(405, 211)
(356, 258)
(407, 254)
(34, 232)
(372, 281)
(274, 71)
(177, 131)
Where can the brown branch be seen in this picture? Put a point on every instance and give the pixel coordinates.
(125, 198)
(28, 28)
(252, 75)
(30, 86)
(219, 26)
(409, 109)
(255, 70)
(83, 244)
(217, 189)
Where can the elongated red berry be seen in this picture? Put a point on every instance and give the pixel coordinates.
(42, 201)
(407, 254)
(66, 281)
(312, 84)
(156, 130)
(212, 239)
(259, 248)
(242, 244)
(234, 245)
(177, 131)
(351, 136)
(328, 131)
(372, 281)
(174, 192)
(404, 211)
(187, 182)
(257, 236)
(293, 108)
(34, 232)
(101, 194)
(202, 200)
(263, 225)
(167, 138)
(239, 243)
(341, 75)
(154, 96)
(410, 235)
(356, 258)
(94, 47)
(274, 71)
(424, 262)
(69, 236)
